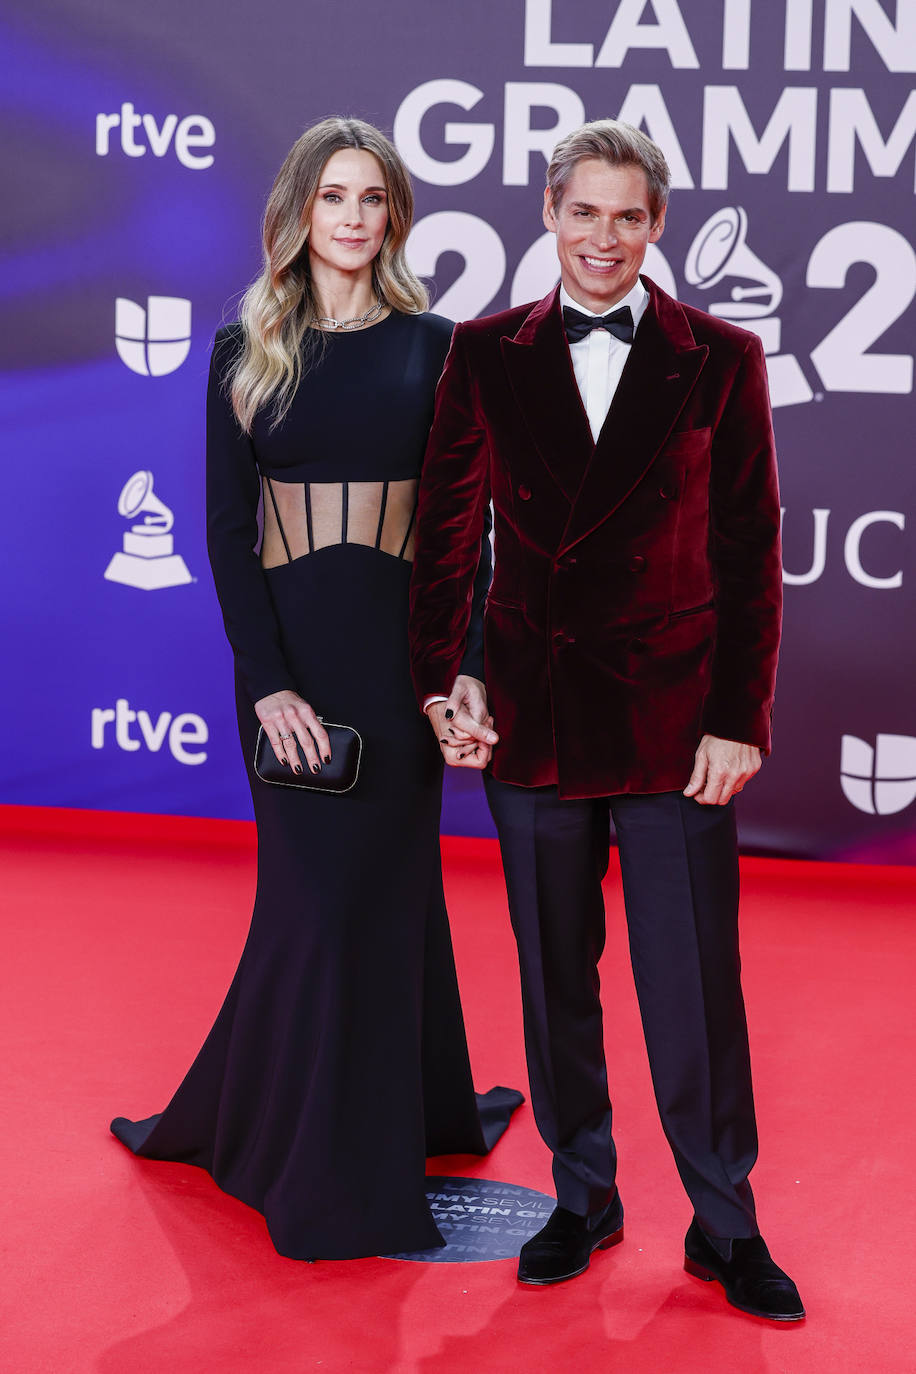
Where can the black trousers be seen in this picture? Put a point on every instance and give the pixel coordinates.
(679, 862)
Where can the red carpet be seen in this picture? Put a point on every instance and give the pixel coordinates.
(121, 934)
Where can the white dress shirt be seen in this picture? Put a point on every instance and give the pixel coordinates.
(598, 360)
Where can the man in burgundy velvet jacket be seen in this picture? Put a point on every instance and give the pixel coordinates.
(631, 638)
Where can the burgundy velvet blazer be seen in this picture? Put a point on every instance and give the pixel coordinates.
(637, 585)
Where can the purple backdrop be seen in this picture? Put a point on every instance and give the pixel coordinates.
(139, 146)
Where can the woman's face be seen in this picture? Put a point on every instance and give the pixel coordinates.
(349, 212)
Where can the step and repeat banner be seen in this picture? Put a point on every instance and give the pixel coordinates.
(139, 145)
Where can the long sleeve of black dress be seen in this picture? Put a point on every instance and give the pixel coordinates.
(473, 662)
(233, 494)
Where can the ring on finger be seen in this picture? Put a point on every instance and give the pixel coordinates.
(289, 736)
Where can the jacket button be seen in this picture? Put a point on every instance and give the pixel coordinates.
(637, 563)
(567, 563)
(668, 493)
(524, 492)
(561, 638)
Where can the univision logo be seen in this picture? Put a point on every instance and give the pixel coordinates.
(879, 780)
(155, 340)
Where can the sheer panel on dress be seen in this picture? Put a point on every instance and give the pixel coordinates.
(302, 517)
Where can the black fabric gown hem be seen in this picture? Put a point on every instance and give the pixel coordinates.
(495, 1108)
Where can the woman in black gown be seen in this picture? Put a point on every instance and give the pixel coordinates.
(338, 1061)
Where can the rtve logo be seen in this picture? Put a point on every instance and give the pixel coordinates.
(154, 341)
(882, 780)
(194, 131)
(180, 731)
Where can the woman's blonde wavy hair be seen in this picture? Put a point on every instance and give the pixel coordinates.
(279, 308)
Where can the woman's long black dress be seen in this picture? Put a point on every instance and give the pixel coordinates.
(338, 1060)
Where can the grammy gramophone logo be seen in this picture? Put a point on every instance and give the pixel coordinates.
(148, 559)
(720, 252)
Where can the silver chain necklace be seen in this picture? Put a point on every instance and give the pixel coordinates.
(328, 321)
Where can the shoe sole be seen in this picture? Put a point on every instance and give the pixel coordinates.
(613, 1239)
(699, 1271)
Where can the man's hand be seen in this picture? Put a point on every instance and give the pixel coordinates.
(721, 769)
(463, 725)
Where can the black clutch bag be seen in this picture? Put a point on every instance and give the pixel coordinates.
(337, 776)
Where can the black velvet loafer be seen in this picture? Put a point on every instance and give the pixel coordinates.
(562, 1249)
(751, 1280)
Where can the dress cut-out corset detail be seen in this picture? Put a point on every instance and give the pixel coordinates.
(302, 517)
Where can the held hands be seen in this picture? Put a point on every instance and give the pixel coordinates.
(287, 718)
(721, 769)
(463, 725)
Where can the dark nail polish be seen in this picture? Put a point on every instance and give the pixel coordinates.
(449, 713)
(316, 767)
(297, 767)
(285, 762)
(327, 758)
(443, 741)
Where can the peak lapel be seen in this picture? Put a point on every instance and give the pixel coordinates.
(541, 376)
(660, 373)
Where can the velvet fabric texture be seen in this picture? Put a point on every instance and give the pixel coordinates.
(637, 588)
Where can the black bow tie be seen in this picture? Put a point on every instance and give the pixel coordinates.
(579, 326)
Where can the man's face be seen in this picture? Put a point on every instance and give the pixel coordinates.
(603, 226)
